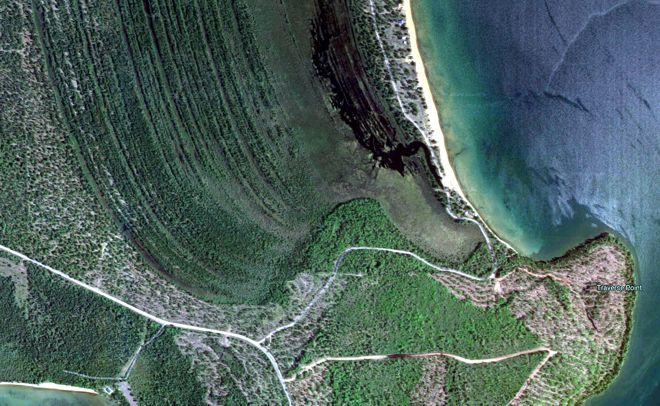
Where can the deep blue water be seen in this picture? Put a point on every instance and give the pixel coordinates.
(551, 111)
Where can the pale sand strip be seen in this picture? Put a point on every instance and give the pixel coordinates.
(449, 179)
(51, 386)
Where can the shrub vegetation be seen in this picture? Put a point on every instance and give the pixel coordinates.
(64, 327)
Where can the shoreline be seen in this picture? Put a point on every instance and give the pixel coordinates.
(449, 178)
(52, 386)
(435, 135)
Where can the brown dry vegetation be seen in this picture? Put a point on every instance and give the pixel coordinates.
(559, 302)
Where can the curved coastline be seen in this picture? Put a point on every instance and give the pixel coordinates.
(436, 135)
(633, 267)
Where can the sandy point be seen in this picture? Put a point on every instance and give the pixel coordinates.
(51, 386)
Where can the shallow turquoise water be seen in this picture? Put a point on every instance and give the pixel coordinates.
(551, 111)
(25, 396)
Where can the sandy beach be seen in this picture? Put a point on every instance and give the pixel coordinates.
(51, 386)
(436, 137)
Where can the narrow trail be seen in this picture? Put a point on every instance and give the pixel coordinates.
(338, 263)
(386, 63)
(464, 360)
(156, 319)
(128, 368)
(484, 233)
(531, 377)
(563, 281)
(95, 378)
(258, 344)
(434, 159)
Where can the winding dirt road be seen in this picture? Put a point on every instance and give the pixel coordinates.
(156, 319)
(258, 344)
(340, 260)
(464, 360)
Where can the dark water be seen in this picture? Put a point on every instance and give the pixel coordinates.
(552, 116)
(26, 396)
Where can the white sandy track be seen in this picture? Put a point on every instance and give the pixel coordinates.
(156, 319)
(434, 134)
(258, 344)
(395, 88)
(422, 260)
(531, 377)
(432, 355)
(340, 260)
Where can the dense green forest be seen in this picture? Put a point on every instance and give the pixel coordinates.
(396, 307)
(62, 327)
(163, 376)
(191, 136)
(488, 384)
(387, 382)
(185, 141)
(397, 382)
